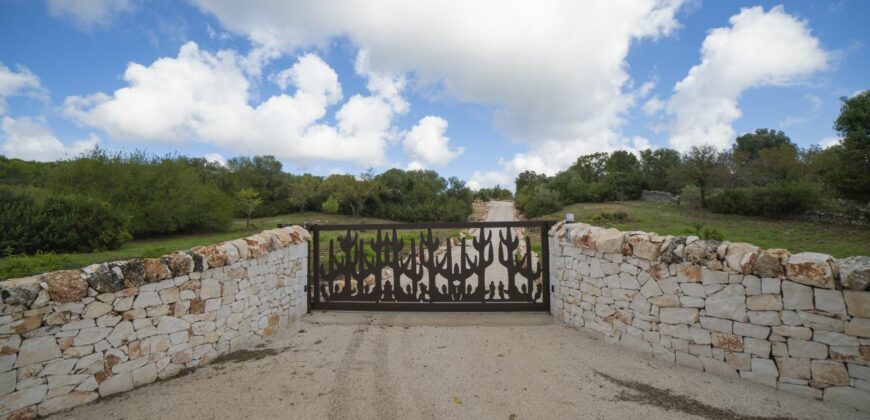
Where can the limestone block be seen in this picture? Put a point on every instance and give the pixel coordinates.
(829, 372)
(678, 315)
(811, 268)
(857, 303)
(66, 286)
(807, 349)
(793, 367)
(765, 302)
(741, 256)
(729, 303)
(830, 301)
(855, 272)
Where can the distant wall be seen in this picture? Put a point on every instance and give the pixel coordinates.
(800, 323)
(70, 337)
(658, 196)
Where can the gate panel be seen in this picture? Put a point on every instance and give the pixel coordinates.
(373, 267)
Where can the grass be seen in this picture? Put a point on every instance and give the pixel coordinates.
(668, 219)
(21, 266)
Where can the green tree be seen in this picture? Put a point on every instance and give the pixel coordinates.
(852, 176)
(702, 167)
(655, 165)
(304, 189)
(764, 156)
(330, 206)
(248, 200)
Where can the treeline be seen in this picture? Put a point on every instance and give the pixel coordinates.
(106, 198)
(764, 173)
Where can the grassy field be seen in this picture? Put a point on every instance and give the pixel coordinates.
(21, 266)
(796, 236)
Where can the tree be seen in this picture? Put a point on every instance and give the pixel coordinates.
(702, 167)
(764, 156)
(303, 190)
(852, 176)
(248, 200)
(655, 165)
(349, 191)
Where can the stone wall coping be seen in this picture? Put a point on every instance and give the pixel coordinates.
(39, 290)
(809, 268)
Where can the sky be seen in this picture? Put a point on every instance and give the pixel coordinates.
(481, 90)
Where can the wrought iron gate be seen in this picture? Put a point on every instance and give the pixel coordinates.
(374, 267)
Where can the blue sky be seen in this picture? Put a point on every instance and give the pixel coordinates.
(464, 88)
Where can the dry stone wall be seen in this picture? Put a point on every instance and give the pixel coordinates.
(70, 337)
(800, 322)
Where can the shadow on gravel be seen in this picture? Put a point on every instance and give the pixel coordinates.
(246, 355)
(642, 393)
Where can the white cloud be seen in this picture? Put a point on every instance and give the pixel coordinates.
(829, 141)
(759, 49)
(205, 97)
(16, 83)
(215, 158)
(488, 179)
(29, 139)
(426, 145)
(554, 72)
(815, 104)
(653, 106)
(87, 14)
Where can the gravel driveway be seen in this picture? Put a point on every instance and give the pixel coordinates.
(455, 365)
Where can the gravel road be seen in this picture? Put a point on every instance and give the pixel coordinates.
(434, 365)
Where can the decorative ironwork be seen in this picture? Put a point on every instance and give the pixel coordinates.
(388, 272)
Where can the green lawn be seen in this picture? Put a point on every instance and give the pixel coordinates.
(796, 236)
(21, 266)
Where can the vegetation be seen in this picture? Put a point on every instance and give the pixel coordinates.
(108, 198)
(494, 193)
(666, 219)
(764, 173)
(24, 265)
(248, 200)
(70, 224)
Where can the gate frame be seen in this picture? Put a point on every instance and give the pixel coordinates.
(314, 267)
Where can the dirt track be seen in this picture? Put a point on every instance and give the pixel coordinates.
(427, 366)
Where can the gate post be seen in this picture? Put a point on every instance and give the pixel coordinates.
(545, 258)
(315, 265)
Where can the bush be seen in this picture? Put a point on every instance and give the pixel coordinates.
(58, 224)
(776, 199)
(542, 201)
(690, 197)
(331, 206)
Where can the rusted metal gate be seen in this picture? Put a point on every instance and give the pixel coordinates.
(404, 267)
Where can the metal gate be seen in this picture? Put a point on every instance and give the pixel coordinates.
(405, 267)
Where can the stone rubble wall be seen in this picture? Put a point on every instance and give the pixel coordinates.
(70, 337)
(796, 322)
(658, 196)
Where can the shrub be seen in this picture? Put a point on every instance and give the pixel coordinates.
(58, 224)
(775, 199)
(542, 201)
(690, 196)
(330, 206)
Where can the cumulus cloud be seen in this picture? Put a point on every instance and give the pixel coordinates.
(426, 145)
(215, 158)
(30, 139)
(205, 97)
(829, 141)
(554, 72)
(16, 83)
(87, 14)
(760, 48)
(488, 179)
